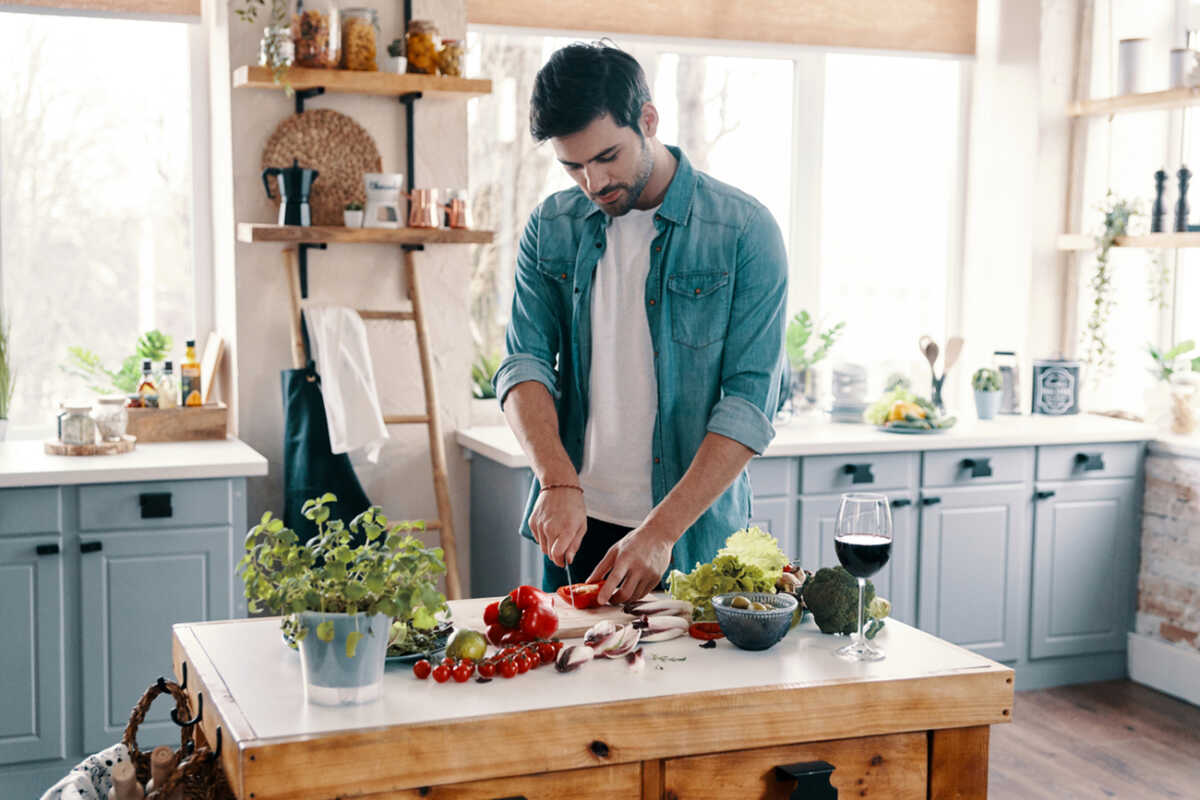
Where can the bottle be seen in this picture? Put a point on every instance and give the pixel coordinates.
(147, 389)
(168, 395)
(189, 377)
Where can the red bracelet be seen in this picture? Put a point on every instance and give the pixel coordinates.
(563, 486)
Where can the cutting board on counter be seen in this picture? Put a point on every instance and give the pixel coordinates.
(573, 623)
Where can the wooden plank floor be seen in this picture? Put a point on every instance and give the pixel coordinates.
(1096, 740)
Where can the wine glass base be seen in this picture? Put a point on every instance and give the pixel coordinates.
(860, 651)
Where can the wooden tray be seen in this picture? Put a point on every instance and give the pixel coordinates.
(56, 448)
(180, 424)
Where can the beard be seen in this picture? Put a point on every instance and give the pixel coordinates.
(632, 191)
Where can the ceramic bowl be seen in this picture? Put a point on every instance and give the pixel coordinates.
(755, 630)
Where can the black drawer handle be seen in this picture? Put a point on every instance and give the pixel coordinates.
(812, 780)
(155, 505)
(861, 473)
(90, 547)
(1044, 494)
(930, 501)
(47, 549)
(980, 467)
(900, 502)
(1090, 462)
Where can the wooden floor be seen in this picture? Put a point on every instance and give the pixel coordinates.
(1112, 739)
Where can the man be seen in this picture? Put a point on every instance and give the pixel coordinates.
(646, 339)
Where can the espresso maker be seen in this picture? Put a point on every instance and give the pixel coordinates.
(295, 182)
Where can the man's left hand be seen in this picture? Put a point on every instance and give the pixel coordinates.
(634, 565)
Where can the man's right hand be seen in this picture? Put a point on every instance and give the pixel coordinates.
(558, 523)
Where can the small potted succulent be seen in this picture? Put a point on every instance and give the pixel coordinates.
(353, 215)
(396, 62)
(987, 386)
(340, 592)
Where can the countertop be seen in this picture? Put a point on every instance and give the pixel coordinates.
(25, 463)
(817, 436)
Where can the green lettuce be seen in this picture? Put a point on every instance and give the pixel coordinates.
(750, 561)
(754, 546)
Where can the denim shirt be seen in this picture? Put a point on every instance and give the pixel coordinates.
(716, 299)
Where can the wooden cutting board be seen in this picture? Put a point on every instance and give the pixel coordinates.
(572, 622)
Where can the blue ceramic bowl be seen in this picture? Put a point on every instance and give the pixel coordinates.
(755, 630)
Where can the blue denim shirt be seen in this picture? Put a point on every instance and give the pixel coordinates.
(716, 300)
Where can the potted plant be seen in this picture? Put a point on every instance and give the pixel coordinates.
(987, 386)
(8, 375)
(800, 331)
(353, 215)
(396, 63)
(485, 410)
(1173, 402)
(340, 592)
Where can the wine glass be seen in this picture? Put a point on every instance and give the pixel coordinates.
(863, 541)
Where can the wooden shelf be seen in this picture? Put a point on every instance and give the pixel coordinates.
(316, 234)
(1151, 101)
(353, 82)
(1151, 241)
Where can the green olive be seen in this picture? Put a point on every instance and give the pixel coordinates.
(739, 602)
(757, 606)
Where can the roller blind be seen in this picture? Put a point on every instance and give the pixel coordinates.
(183, 8)
(931, 26)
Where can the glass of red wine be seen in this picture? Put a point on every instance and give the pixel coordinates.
(863, 541)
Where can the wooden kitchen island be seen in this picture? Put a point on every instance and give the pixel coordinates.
(695, 723)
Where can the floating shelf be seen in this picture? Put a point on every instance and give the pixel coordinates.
(1151, 101)
(1151, 241)
(318, 234)
(354, 82)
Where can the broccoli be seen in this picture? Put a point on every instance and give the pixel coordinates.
(831, 594)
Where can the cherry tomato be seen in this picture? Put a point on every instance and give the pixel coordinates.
(522, 663)
(441, 673)
(546, 652)
(508, 651)
(449, 662)
(422, 669)
(508, 667)
(487, 669)
(467, 664)
(467, 661)
(462, 673)
(706, 631)
(558, 645)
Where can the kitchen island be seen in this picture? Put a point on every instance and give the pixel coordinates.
(914, 725)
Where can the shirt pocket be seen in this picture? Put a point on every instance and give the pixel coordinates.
(699, 307)
(557, 271)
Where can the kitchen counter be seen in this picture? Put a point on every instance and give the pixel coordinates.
(25, 463)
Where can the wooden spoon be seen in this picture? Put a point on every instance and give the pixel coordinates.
(930, 349)
(953, 349)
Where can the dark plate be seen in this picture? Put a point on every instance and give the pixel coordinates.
(436, 652)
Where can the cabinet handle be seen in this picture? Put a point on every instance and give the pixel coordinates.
(1090, 461)
(861, 473)
(90, 547)
(980, 467)
(930, 501)
(812, 780)
(47, 549)
(900, 502)
(155, 505)
(1044, 494)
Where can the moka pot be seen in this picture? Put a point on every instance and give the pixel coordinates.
(295, 182)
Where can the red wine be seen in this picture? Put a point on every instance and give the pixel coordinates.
(862, 554)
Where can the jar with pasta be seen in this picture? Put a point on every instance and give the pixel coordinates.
(422, 46)
(450, 58)
(359, 27)
(317, 35)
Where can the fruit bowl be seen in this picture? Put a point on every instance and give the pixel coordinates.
(755, 630)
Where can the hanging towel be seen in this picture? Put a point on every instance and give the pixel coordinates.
(338, 340)
(91, 778)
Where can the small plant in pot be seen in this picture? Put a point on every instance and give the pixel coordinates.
(801, 330)
(353, 215)
(339, 593)
(397, 63)
(987, 386)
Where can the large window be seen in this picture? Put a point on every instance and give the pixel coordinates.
(858, 157)
(96, 194)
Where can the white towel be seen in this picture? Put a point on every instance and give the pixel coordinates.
(338, 340)
(91, 778)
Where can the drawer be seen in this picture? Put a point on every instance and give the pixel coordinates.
(894, 767)
(32, 510)
(1080, 461)
(594, 783)
(977, 467)
(771, 476)
(867, 472)
(158, 504)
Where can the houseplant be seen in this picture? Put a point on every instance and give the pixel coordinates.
(987, 386)
(397, 63)
(8, 375)
(353, 215)
(1172, 402)
(339, 592)
(84, 363)
(800, 331)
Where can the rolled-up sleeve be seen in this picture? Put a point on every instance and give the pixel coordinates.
(533, 336)
(752, 361)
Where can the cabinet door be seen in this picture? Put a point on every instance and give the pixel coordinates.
(773, 516)
(31, 660)
(1084, 554)
(897, 581)
(974, 551)
(133, 589)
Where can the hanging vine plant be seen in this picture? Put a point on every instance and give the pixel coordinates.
(1117, 215)
(277, 47)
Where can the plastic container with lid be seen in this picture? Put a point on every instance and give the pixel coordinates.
(111, 418)
(423, 46)
(317, 35)
(359, 29)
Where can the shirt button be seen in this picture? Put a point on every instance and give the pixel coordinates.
(656, 354)
(658, 249)
(697, 291)
(651, 301)
(656, 460)
(598, 245)
(564, 277)
(576, 291)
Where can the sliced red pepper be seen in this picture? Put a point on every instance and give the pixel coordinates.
(706, 631)
(491, 614)
(581, 595)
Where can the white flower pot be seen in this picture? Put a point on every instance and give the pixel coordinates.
(353, 219)
(331, 678)
(987, 403)
(397, 64)
(3, 428)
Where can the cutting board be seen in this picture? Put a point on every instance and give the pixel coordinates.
(209, 362)
(573, 623)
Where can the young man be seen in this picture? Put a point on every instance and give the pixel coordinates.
(646, 342)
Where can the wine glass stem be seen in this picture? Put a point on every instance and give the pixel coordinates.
(862, 586)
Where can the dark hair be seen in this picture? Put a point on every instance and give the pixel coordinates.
(582, 82)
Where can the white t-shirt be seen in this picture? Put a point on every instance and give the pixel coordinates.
(623, 400)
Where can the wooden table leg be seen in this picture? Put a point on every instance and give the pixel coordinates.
(958, 763)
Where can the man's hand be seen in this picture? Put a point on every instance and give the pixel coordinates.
(634, 565)
(558, 523)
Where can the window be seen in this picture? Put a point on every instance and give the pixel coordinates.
(858, 157)
(96, 194)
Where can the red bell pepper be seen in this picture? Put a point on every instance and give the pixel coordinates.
(491, 614)
(706, 631)
(539, 620)
(581, 595)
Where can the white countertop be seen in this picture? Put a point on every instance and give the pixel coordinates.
(25, 463)
(817, 436)
(1173, 444)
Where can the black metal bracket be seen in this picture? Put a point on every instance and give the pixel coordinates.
(155, 505)
(980, 467)
(900, 502)
(307, 94)
(161, 683)
(215, 753)
(302, 261)
(199, 713)
(183, 666)
(812, 780)
(861, 473)
(1090, 461)
(412, 247)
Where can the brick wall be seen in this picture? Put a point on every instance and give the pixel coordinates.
(1169, 581)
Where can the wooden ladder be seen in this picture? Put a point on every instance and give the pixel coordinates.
(444, 524)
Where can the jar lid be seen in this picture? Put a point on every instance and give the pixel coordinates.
(421, 26)
(76, 406)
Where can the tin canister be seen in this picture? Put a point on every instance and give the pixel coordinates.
(1055, 386)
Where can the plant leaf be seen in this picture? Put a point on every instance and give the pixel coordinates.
(352, 643)
(325, 631)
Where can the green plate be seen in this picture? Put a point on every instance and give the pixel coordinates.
(917, 431)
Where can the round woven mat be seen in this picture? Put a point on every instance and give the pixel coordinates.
(334, 145)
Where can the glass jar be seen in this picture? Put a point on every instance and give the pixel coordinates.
(276, 48)
(317, 35)
(111, 418)
(359, 26)
(450, 58)
(75, 424)
(422, 46)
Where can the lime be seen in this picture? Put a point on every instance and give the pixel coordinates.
(467, 644)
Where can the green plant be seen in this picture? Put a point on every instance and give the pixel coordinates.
(276, 59)
(1171, 361)
(1117, 215)
(8, 373)
(84, 363)
(354, 206)
(482, 373)
(986, 379)
(800, 331)
(396, 48)
(391, 572)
